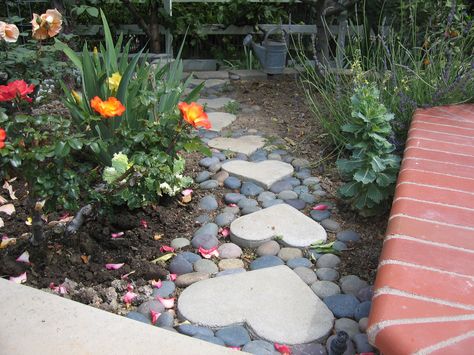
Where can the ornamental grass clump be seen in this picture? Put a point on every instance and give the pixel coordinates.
(372, 168)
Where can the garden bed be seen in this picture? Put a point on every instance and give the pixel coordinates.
(275, 108)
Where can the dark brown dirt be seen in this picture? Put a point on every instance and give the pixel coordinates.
(281, 112)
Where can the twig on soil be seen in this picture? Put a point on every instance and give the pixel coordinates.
(79, 220)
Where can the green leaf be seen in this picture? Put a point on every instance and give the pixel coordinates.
(347, 166)
(111, 58)
(92, 11)
(384, 179)
(69, 52)
(365, 175)
(350, 189)
(377, 164)
(62, 149)
(374, 193)
(75, 144)
(89, 75)
(95, 147)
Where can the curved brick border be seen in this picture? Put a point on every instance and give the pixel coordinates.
(424, 290)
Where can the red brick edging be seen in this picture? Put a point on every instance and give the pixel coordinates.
(424, 290)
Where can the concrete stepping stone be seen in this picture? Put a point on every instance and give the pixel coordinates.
(215, 104)
(283, 221)
(219, 74)
(220, 120)
(245, 144)
(258, 299)
(264, 173)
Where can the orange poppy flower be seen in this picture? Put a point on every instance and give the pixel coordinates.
(47, 25)
(8, 32)
(3, 136)
(194, 114)
(110, 108)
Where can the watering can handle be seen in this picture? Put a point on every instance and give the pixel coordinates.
(274, 29)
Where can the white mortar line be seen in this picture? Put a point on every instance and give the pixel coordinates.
(435, 187)
(446, 118)
(439, 151)
(439, 132)
(373, 331)
(437, 173)
(445, 343)
(434, 203)
(439, 161)
(424, 241)
(423, 267)
(445, 125)
(394, 292)
(438, 141)
(431, 221)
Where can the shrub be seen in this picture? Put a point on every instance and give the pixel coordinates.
(130, 109)
(372, 167)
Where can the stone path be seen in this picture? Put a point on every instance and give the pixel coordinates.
(265, 285)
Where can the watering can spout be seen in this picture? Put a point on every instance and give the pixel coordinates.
(258, 49)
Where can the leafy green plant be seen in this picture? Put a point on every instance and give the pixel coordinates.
(134, 120)
(371, 167)
(232, 107)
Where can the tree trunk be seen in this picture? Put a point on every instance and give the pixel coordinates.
(155, 40)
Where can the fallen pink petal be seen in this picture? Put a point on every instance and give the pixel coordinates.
(130, 287)
(154, 316)
(232, 205)
(235, 347)
(60, 289)
(114, 266)
(172, 277)
(224, 232)
(117, 235)
(129, 297)
(320, 207)
(156, 284)
(166, 249)
(187, 192)
(125, 276)
(166, 302)
(282, 349)
(24, 258)
(18, 279)
(208, 253)
(144, 223)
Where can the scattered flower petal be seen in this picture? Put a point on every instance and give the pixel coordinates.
(235, 347)
(125, 276)
(24, 258)
(130, 287)
(9, 209)
(166, 302)
(117, 235)
(282, 349)
(156, 284)
(172, 277)
(224, 232)
(186, 192)
(129, 297)
(157, 236)
(1, 223)
(9, 188)
(166, 248)
(29, 221)
(60, 289)
(3, 200)
(114, 266)
(144, 223)
(6, 242)
(85, 259)
(154, 316)
(232, 205)
(208, 253)
(320, 207)
(19, 279)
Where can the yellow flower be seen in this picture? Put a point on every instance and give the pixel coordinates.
(114, 81)
(77, 97)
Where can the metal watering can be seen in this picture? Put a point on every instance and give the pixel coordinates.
(270, 54)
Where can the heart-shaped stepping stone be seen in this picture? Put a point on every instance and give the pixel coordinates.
(275, 304)
(220, 120)
(245, 144)
(263, 173)
(215, 104)
(293, 227)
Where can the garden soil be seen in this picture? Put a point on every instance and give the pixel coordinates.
(274, 107)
